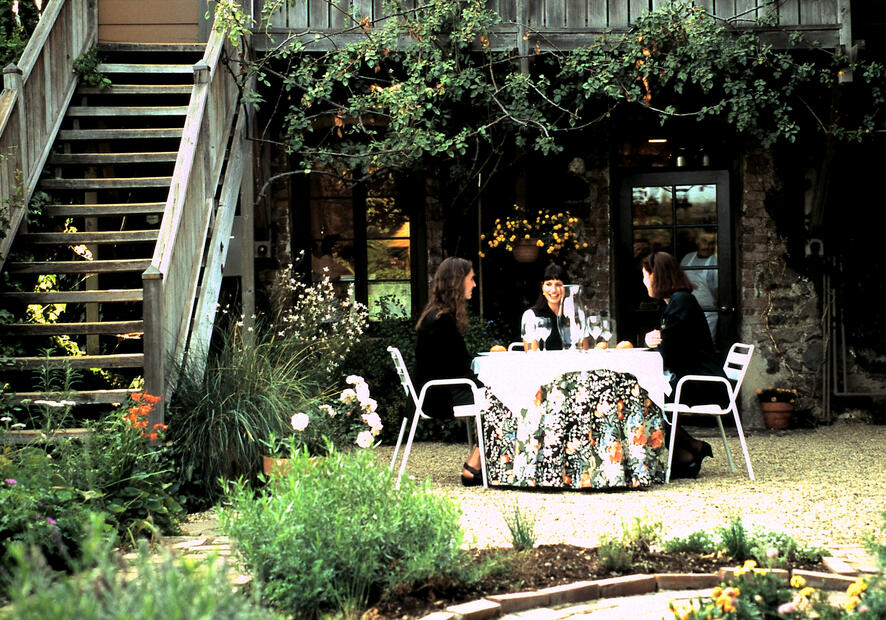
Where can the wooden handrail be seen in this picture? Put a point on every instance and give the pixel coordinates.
(170, 283)
(32, 106)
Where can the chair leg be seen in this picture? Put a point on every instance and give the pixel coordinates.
(399, 441)
(671, 448)
(482, 447)
(744, 445)
(408, 448)
(470, 433)
(725, 445)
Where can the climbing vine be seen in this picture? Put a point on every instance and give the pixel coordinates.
(427, 87)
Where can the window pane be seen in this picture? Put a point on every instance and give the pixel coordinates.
(332, 217)
(392, 297)
(651, 206)
(696, 204)
(388, 259)
(332, 258)
(382, 185)
(652, 239)
(328, 185)
(385, 219)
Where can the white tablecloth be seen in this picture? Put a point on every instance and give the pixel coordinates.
(515, 376)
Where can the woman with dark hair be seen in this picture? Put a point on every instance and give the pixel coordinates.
(547, 306)
(684, 341)
(440, 351)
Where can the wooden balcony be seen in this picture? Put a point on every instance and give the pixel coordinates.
(563, 24)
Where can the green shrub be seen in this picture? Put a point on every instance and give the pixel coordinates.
(522, 528)
(47, 487)
(165, 587)
(220, 423)
(696, 542)
(614, 555)
(640, 533)
(735, 540)
(333, 534)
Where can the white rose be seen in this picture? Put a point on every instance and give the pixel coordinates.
(373, 422)
(369, 405)
(354, 379)
(362, 391)
(364, 439)
(329, 410)
(348, 396)
(300, 421)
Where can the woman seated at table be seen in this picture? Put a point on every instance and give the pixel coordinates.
(546, 307)
(440, 351)
(686, 348)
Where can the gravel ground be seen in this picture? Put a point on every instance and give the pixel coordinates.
(821, 486)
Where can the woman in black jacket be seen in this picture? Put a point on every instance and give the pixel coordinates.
(684, 341)
(440, 351)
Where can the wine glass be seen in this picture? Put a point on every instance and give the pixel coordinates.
(605, 329)
(542, 330)
(528, 331)
(594, 327)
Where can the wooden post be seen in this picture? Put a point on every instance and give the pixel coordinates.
(12, 80)
(154, 339)
(247, 228)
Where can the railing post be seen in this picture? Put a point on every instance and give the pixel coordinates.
(154, 342)
(12, 80)
(203, 141)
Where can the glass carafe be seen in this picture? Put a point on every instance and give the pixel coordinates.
(571, 320)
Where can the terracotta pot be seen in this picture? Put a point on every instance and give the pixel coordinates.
(272, 465)
(526, 250)
(777, 416)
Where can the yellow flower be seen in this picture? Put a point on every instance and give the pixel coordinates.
(716, 592)
(856, 587)
(749, 565)
(852, 603)
(540, 243)
(797, 581)
(807, 591)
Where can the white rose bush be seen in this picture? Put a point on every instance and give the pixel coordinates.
(348, 420)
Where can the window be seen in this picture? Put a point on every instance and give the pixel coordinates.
(360, 236)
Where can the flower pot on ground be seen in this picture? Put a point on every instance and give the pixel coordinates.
(274, 465)
(777, 406)
(777, 416)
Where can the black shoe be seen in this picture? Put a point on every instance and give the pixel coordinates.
(476, 478)
(706, 451)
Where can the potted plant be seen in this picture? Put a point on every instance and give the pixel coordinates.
(777, 406)
(347, 421)
(527, 234)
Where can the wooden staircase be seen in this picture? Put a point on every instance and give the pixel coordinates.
(106, 183)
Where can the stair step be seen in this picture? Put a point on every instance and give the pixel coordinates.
(137, 89)
(111, 158)
(114, 67)
(79, 266)
(151, 47)
(74, 297)
(125, 236)
(119, 360)
(119, 134)
(95, 397)
(179, 110)
(116, 208)
(112, 183)
(72, 329)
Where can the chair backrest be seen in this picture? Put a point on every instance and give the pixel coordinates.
(405, 381)
(516, 346)
(737, 361)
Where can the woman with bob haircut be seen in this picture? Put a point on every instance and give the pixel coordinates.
(684, 341)
(440, 351)
(547, 306)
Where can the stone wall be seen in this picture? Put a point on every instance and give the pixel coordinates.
(780, 312)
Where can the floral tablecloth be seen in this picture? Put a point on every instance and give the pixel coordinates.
(588, 429)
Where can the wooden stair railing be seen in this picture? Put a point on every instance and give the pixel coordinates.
(171, 282)
(32, 106)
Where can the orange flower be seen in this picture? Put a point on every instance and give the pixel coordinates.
(620, 405)
(567, 479)
(615, 455)
(136, 396)
(656, 439)
(639, 435)
(152, 399)
(151, 436)
(144, 410)
(161, 427)
(140, 424)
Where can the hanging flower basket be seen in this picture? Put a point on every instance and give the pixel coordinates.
(526, 250)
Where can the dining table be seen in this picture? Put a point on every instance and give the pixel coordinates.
(574, 419)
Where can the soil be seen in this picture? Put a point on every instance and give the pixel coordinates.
(540, 567)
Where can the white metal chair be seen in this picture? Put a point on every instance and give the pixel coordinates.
(460, 411)
(735, 367)
(516, 346)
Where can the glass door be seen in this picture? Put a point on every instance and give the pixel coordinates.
(687, 215)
